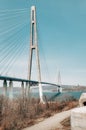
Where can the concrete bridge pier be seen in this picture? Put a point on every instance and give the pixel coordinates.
(5, 88)
(27, 90)
(22, 86)
(41, 93)
(11, 89)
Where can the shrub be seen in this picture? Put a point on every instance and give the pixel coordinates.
(22, 112)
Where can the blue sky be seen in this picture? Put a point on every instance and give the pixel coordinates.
(61, 38)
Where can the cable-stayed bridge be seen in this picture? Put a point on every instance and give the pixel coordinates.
(10, 47)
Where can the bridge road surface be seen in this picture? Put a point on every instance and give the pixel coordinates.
(50, 123)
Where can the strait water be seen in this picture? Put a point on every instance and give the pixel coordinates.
(57, 96)
(49, 95)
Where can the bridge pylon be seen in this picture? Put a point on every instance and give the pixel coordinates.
(59, 82)
(34, 46)
(59, 78)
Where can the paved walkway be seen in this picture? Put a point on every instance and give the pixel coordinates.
(50, 123)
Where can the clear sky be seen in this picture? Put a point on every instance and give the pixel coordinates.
(61, 38)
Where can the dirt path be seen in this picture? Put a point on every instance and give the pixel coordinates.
(50, 123)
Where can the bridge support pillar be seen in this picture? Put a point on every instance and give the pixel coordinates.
(22, 86)
(27, 89)
(5, 88)
(59, 89)
(41, 93)
(11, 90)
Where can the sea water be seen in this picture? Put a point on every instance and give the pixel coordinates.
(57, 96)
(50, 95)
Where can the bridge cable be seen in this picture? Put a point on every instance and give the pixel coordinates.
(4, 48)
(10, 49)
(17, 50)
(43, 54)
(14, 52)
(14, 41)
(15, 28)
(21, 52)
(13, 10)
(13, 59)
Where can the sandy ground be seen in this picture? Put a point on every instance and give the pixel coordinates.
(51, 123)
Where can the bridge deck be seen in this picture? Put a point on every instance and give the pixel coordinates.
(24, 80)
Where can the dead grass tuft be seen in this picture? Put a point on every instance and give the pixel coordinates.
(19, 113)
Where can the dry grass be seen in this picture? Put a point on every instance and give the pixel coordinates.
(66, 124)
(22, 112)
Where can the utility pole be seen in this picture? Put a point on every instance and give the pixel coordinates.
(34, 47)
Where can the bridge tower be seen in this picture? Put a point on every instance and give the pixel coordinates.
(59, 78)
(34, 47)
(59, 82)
